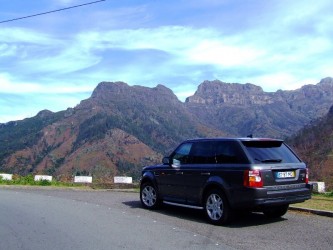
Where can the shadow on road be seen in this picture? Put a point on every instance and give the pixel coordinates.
(240, 219)
(133, 204)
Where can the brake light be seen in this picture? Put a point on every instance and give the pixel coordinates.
(307, 176)
(252, 178)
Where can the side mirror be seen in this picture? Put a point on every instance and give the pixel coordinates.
(166, 160)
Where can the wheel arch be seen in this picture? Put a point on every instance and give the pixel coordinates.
(148, 177)
(216, 182)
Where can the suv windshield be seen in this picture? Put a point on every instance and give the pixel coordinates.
(270, 152)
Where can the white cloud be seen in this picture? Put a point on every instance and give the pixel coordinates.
(68, 60)
(66, 2)
(187, 45)
(10, 86)
(15, 35)
(168, 38)
(12, 111)
(183, 94)
(184, 45)
(221, 54)
(13, 117)
(7, 50)
(280, 80)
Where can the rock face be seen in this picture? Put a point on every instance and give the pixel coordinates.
(120, 128)
(219, 94)
(242, 109)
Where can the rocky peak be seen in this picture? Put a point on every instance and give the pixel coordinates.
(162, 89)
(163, 92)
(44, 113)
(219, 93)
(104, 89)
(120, 90)
(326, 81)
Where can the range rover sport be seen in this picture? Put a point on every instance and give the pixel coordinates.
(223, 175)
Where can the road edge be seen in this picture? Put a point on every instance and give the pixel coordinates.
(312, 211)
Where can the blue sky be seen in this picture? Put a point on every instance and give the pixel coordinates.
(54, 61)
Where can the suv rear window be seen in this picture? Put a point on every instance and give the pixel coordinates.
(270, 152)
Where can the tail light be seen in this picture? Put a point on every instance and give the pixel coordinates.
(307, 176)
(252, 178)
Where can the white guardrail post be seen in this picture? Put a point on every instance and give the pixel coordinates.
(123, 179)
(43, 178)
(7, 177)
(82, 179)
(318, 186)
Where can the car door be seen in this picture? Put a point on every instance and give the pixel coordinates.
(171, 178)
(198, 171)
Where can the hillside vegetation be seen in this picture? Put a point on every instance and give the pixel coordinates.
(121, 128)
(314, 144)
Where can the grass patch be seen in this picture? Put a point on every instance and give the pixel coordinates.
(29, 181)
(318, 202)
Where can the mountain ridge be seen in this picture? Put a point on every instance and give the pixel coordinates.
(262, 111)
(120, 128)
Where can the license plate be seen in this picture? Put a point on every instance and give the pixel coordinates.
(287, 174)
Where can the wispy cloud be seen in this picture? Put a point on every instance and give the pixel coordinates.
(10, 86)
(277, 44)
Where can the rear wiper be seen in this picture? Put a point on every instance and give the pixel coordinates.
(269, 160)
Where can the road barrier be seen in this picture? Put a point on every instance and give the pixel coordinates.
(82, 179)
(123, 179)
(43, 178)
(318, 186)
(7, 177)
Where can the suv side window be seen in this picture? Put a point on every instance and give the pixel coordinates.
(216, 152)
(181, 155)
(203, 153)
(229, 152)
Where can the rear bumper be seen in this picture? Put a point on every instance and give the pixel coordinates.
(281, 200)
(272, 196)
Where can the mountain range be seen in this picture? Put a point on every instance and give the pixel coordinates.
(121, 128)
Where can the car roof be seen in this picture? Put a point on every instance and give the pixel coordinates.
(233, 139)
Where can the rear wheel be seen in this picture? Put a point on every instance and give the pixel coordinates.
(276, 212)
(149, 196)
(217, 208)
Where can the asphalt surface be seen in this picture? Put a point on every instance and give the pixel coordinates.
(35, 218)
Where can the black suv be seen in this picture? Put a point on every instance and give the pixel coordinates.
(223, 175)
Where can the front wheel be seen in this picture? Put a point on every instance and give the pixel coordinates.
(276, 212)
(217, 208)
(149, 196)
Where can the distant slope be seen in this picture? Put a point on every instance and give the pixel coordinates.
(314, 144)
(18, 135)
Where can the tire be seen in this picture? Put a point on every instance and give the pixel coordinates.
(149, 196)
(276, 212)
(217, 208)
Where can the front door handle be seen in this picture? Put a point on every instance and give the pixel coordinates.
(179, 172)
(207, 173)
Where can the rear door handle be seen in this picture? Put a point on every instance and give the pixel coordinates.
(179, 172)
(207, 173)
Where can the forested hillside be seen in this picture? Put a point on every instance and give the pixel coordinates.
(314, 144)
(121, 128)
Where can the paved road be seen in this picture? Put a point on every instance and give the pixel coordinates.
(35, 218)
